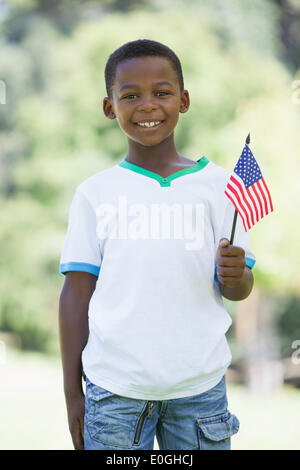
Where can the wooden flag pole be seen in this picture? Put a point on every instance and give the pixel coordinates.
(233, 227)
(235, 212)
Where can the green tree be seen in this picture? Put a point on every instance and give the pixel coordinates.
(54, 134)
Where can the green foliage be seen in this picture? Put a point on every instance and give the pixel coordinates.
(54, 133)
(15, 318)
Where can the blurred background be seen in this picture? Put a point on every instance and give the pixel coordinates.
(240, 64)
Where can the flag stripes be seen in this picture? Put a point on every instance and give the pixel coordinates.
(252, 203)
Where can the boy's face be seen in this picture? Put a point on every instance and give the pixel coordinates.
(144, 99)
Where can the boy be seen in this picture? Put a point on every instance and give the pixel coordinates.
(151, 333)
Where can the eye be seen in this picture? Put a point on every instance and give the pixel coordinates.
(128, 96)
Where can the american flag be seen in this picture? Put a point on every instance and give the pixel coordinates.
(248, 191)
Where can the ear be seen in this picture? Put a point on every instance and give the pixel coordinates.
(185, 102)
(108, 108)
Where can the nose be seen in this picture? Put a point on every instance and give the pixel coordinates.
(147, 104)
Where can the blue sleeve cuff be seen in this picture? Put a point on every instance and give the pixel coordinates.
(250, 262)
(85, 267)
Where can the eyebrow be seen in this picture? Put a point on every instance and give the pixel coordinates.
(133, 85)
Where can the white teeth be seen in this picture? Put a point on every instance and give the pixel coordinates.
(149, 124)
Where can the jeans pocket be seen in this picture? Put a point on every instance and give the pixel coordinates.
(214, 432)
(95, 392)
(111, 418)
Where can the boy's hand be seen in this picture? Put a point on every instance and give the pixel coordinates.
(76, 409)
(230, 263)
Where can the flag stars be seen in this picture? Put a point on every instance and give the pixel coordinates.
(247, 168)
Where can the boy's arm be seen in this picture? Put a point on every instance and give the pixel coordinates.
(73, 325)
(73, 328)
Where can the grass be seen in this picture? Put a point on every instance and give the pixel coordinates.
(33, 413)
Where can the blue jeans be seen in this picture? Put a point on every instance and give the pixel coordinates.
(114, 422)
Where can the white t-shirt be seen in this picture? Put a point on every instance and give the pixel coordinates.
(157, 321)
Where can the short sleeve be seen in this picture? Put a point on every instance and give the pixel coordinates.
(241, 237)
(81, 250)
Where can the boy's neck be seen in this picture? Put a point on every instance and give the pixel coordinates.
(155, 157)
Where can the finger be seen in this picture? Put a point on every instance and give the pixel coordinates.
(224, 242)
(230, 281)
(231, 261)
(232, 250)
(230, 271)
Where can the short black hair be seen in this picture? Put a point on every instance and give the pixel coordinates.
(139, 48)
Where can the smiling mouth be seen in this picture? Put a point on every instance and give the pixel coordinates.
(149, 127)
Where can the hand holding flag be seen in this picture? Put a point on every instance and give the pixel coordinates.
(248, 192)
(230, 263)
